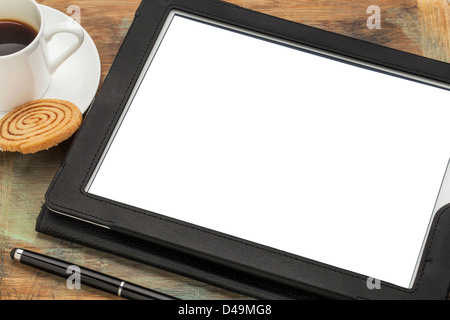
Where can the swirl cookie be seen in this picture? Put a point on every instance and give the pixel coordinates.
(38, 125)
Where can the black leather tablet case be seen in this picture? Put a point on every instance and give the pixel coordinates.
(193, 251)
(162, 257)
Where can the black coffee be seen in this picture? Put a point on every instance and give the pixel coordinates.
(14, 36)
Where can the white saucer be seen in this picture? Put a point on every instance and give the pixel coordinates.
(78, 78)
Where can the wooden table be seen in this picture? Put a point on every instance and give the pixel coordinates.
(421, 27)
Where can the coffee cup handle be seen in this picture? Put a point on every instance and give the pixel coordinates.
(70, 27)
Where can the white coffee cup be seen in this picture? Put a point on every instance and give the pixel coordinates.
(25, 75)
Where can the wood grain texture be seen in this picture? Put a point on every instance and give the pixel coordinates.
(421, 27)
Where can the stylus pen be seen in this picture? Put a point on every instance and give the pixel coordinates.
(87, 277)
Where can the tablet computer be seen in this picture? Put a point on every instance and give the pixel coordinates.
(237, 143)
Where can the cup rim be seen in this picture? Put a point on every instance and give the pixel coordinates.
(36, 39)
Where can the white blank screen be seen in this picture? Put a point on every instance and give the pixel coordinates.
(284, 148)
